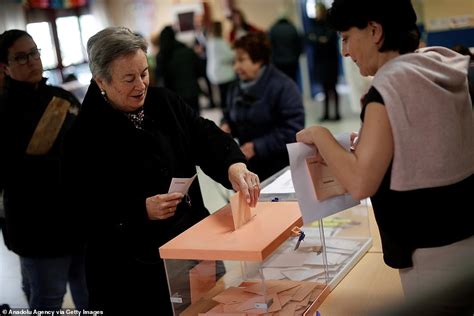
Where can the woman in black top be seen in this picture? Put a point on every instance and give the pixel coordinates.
(415, 152)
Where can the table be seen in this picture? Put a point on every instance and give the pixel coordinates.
(371, 284)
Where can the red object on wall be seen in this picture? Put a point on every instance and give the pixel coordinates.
(54, 4)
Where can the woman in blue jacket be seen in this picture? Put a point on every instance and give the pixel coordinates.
(265, 108)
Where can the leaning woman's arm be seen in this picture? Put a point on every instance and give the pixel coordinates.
(362, 170)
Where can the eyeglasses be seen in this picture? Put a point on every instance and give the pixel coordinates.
(22, 58)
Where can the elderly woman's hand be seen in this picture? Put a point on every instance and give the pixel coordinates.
(163, 206)
(245, 181)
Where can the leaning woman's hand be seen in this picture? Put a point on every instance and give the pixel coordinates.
(245, 181)
(311, 135)
(163, 206)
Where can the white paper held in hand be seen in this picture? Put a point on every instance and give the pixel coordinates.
(181, 184)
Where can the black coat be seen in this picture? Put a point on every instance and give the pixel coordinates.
(286, 42)
(120, 167)
(324, 41)
(38, 224)
(178, 66)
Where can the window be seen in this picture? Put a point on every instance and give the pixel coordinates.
(70, 41)
(89, 26)
(62, 35)
(42, 34)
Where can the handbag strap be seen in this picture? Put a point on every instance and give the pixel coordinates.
(48, 127)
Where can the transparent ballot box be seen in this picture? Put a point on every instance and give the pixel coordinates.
(346, 240)
(213, 269)
(346, 233)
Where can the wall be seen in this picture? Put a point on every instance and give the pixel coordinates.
(436, 10)
(11, 16)
(449, 22)
(263, 13)
(149, 16)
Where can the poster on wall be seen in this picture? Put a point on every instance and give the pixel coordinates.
(183, 16)
(450, 23)
(186, 21)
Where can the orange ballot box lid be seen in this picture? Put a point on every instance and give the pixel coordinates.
(214, 238)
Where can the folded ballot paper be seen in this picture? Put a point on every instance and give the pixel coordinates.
(181, 184)
(318, 192)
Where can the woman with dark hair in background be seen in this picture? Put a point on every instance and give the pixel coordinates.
(40, 226)
(326, 61)
(178, 68)
(240, 26)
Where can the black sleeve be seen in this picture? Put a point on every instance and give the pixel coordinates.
(213, 150)
(372, 96)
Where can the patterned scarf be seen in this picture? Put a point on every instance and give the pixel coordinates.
(136, 118)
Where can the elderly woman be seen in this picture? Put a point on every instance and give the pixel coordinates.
(128, 142)
(265, 108)
(415, 152)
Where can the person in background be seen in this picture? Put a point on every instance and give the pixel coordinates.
(240, 26)
(358, 84)
(40, 226)
(127, 144)
(286, 44)
(220, 58)
(326, 61)
(414, 156)
(202, 24)
(178, 68)
(264, 107)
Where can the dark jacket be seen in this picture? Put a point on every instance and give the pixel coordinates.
(269, 114)
(178, 66)
(286, 42)
(324, 41)
(38, 224)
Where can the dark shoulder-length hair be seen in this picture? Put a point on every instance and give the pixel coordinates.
(397, 17)
(257, 45)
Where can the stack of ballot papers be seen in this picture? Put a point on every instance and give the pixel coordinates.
(307, 262)
(284, 298)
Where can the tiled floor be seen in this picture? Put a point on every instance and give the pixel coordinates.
(214, 197)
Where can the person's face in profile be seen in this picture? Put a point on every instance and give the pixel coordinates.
(361, 46)
(24, 61)
(245, 68)
(128, 87)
